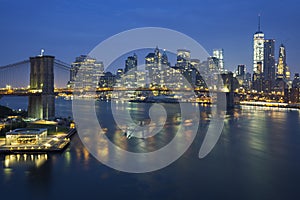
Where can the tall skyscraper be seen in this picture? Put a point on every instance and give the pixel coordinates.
(282, 74)
(131, 63)
(241, 71)
(243, 78)
(157, 55)
(157, 65)
(219, 54)
(152, 63)
(258, 58)
(120, 73)
(183, 56)
(258, 49)
(248, 82)
(282, 69)
(269, 65)
(42, 106)
(257, 80)
(107, 80)
(129, 77)
(91, 70)
(295, 89)
(213, 63)
(164, 58)
(184, 65)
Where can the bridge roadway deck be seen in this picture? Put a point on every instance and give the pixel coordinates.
(26, 92)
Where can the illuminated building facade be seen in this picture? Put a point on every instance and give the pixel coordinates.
(248, 81)
(188, 67)
(196, 63)
(131, 63)
(241, 74)
(258, 59)
(219, 54)
(183, 57)
(295, 90)
(129, 77)
(120, 73)
(25, 136)
(164, 59)
(282, 68)
(258, 78)
(152, 65)
(258, 50)
(141, 78)
(282, 74)
(157, 66)
(213, 63)
(90, 71)
(107, 80)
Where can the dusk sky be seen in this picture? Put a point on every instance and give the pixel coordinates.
(67, 29)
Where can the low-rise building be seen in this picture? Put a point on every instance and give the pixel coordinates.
(26, 136)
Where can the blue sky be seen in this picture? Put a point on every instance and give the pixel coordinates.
(68, 29)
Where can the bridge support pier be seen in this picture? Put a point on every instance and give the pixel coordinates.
(41, 106)
(230, 100)
(228, 81)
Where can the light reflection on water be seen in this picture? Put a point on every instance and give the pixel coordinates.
(257, 157)
(24, 160)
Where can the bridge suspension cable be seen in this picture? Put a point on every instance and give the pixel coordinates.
(14, 64)
(62, 64)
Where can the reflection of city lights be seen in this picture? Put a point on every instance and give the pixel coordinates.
(85, 154)
(6, 162)
(24, 159)
(68, 157)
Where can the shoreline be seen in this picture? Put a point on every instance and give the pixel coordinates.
(269, 104)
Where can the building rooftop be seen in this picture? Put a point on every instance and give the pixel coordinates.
(25, 131)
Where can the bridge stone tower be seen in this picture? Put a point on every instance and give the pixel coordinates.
(42, 104)
(231, 84)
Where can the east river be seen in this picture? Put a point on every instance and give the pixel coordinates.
(256, 157)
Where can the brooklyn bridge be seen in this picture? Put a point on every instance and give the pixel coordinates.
(35, 78)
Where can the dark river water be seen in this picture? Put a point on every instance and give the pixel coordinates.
(256, 157)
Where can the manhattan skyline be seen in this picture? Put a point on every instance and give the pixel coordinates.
(68, 29)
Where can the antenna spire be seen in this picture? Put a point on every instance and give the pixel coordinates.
(259, 22)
